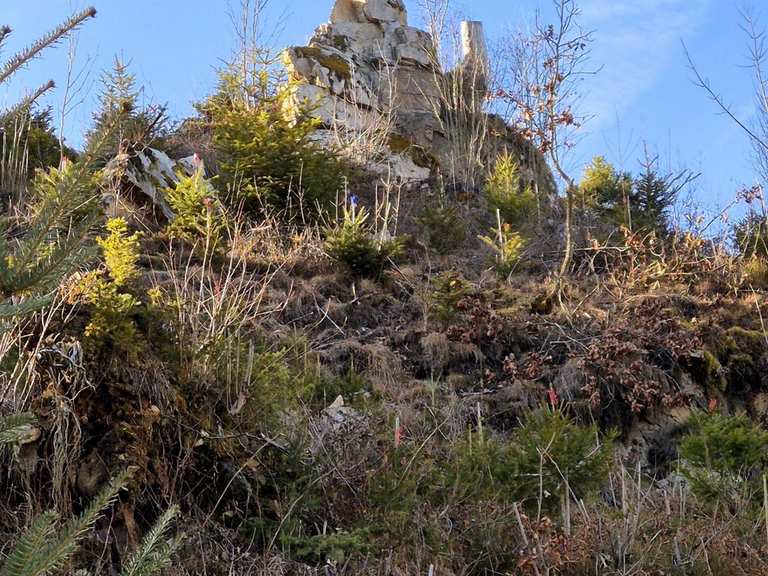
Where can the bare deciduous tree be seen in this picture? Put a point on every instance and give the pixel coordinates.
(545, 69)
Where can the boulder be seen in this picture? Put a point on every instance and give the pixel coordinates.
(376, 11)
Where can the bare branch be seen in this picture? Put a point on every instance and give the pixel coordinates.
(705, 84)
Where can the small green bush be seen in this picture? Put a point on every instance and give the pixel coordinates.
(750, 236)
(601, 188)
(508, 246)
(112, 308)
(756, 272)
(722, 456)
(506, 192)
(444, 229)
(448, 290)
(551, 455)
(353, 243)
(198, 214)
(266, 153)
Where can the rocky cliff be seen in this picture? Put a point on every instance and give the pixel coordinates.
(369, 76)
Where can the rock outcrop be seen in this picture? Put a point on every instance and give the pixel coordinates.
(367, 70)
(369, 76)
(138, 179)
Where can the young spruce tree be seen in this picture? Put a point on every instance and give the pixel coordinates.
(35, 255)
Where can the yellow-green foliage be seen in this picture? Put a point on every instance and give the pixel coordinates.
(199, 215)
(265, 149)
(599, 184)
(112, 307)
(506, 192)
(83, 185)
(120, 250)
(508, 246)
(756, 272)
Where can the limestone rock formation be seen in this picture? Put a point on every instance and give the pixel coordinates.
(368, 71)
(369, 76)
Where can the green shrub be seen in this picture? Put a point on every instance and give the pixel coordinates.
(507, 193)
(751, 236)
(722, 455)
(508, 246)
(481, 470)
(198, 214)
(448, 290)
(335, 547)
(112, 308)
(353, 243)
(266, 153)
(551, 455)
(756, 272)
(548, 457)
(601, 188)
(444, 229)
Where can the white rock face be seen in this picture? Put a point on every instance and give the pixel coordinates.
(385, 11)
(361, 11)
(365, 65)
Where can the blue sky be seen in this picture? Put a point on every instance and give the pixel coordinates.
(643, 93)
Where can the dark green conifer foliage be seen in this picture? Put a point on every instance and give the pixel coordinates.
(121, 120)
(35, 255)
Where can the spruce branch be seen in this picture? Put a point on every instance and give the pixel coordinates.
(155, 551)
(5, 31)
(10, 310)
(14, 427)
(28, 548)
(54, 555)
(26, 103)
(31, 52)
